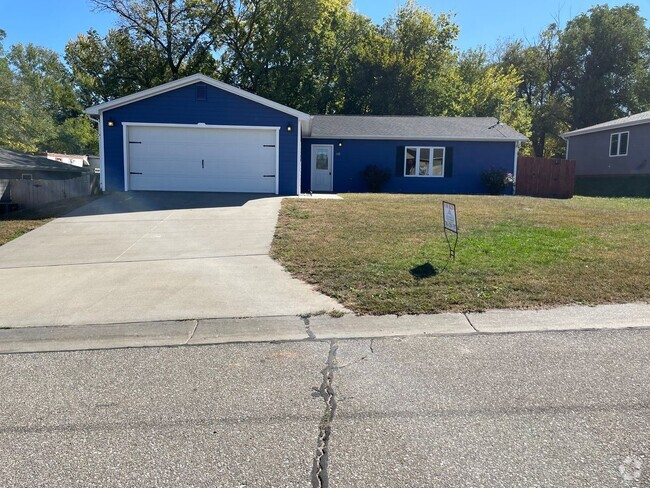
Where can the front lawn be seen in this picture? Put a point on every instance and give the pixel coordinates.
(380, 254)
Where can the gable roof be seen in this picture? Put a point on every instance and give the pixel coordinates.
(189, 80)
(414, 128)
(636, 119)
(26, 162)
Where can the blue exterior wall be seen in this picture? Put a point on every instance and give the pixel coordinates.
(469, 160)
(180, 106)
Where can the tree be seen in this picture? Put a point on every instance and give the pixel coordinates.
(9, 103)
(541, 89)
(40, 108)
(179, 29)
(115, 66)
(606, 57)
(485, 89)
(290, 51)
(402, 66)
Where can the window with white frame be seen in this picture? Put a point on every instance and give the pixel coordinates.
(424, 161)
(618, 143)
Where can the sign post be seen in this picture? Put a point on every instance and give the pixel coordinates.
(450, 224)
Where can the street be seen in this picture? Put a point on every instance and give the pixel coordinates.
(561, 409)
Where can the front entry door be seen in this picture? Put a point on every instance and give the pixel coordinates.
(321, 167)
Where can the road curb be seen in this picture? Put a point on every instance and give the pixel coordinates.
(321, 327)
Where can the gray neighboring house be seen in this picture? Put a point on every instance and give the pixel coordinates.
(21, 166)
(612, 158)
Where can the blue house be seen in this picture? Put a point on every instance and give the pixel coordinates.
(199, 134)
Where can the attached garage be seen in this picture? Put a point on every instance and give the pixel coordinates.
(199, 134)
(201, 158)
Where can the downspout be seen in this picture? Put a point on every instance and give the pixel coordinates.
(566, 154)
(299, 169)
(514, 174)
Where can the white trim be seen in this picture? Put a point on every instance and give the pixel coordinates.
(431, 158)
(566, 153)
(202, 126)
(311, 166)
(514, 170)
(127, 162)
(277, 160)
(189, 80)
(418, 138)
(102, 165)
(618, 144)
(589, 130)
(299, 158)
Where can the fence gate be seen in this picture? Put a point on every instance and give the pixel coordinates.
(548, 178)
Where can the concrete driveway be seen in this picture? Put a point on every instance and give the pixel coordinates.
(149, 256)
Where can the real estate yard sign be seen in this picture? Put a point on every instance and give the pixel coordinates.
(450, 223)
(449, 216)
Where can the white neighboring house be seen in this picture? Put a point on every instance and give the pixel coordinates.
(73, 159)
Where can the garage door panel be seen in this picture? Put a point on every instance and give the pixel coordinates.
(202, 159)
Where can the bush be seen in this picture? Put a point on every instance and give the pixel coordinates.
(375, 177)
(496, 180)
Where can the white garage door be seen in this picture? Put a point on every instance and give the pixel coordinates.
(202, 159)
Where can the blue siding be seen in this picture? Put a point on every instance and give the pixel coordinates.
(469, 160)
(180, 106)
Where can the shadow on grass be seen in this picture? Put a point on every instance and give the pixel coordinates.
(423, 271)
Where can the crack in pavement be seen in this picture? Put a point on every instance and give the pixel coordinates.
(320, 477)
(310, 333)
(470, 322)
(196, 326)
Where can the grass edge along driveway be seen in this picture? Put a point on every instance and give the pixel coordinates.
(15, 224)
(383, 253)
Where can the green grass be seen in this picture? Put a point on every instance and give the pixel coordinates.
(381, 254)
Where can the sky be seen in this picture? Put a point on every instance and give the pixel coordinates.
(53, 23)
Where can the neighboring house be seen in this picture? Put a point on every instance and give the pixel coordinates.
(199, 134)
(73, 159)
(612, 158)
(93, 162)
(19, 166)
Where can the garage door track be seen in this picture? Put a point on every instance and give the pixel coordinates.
(152, 256)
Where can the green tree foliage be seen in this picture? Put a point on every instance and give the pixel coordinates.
(320, 56)
(40, 110)
(178, 29)
(606, 57)
(541, 90)
(413, 50)
(291, 51)
(115, 66)
(485, 89)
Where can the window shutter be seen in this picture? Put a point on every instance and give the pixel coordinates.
(449, 162)
(399, 164)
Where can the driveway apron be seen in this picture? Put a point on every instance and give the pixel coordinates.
(148, 256)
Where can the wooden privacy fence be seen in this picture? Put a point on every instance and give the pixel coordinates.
(549, 178)
(34, 193)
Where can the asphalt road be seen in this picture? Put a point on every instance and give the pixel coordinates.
(554, 409)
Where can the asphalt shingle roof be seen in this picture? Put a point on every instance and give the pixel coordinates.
(636, 119)
(402, 127)
(27, 162)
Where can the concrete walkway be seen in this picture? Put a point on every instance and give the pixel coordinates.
(319, 328)
(149, 256)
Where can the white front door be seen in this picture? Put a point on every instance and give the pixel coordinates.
(322, 167)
